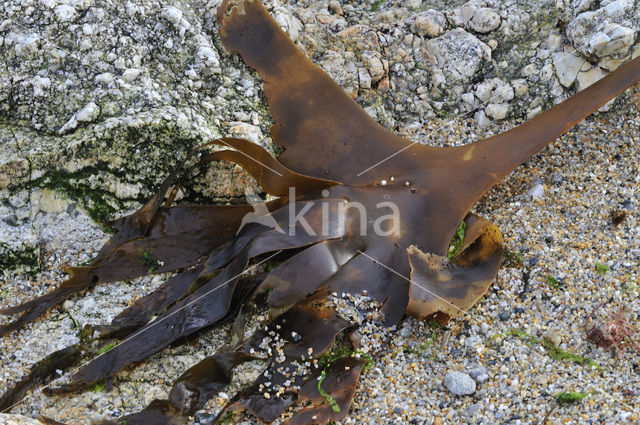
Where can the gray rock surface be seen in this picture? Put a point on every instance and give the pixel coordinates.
(459, 383)
(6, 419)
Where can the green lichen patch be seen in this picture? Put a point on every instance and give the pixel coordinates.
(27, 259)
(567, 398)
(149, 260)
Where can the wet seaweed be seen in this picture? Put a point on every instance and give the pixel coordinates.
(361, 228)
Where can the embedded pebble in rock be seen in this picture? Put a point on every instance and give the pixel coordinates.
(431, 23)
(497, 111)
(457, 53)
(587, 78)
(567, 65)
(459, 383)
(65, 13)
(481, 118)
(494, 90)
(87, 114)
(130, 74)
(606, 31)
(243, 130)
(484, 20)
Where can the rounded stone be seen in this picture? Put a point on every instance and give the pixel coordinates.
(459, 383)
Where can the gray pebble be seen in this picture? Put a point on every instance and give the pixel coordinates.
(459, 383)
(477, 371)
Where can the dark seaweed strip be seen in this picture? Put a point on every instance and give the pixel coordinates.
(340, 381)
(41, 372)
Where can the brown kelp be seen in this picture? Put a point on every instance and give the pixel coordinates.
(361, 220)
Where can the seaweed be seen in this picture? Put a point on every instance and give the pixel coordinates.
(358, 233)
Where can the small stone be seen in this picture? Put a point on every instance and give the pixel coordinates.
(533, 261)
(335, 7)
(406, 332)
(585, 79)
(374, 65)
(484, 20)
(553, 338)
(90, 112)
(481, 119)
(484, 328)
(504, 315)
(536, 192)
(520, 87)
(468, 98)
(130, 74)
(246, 131)
(518, 310)
(173, 14)
(40, 84)
(431, 23)
(534, 112)
(481, 379)
(473, 409)
(204, 418)
(65, 13)
(627, 204)
(556, 178)
(497, 111)
(477, 371)
(567, 65)
(104, 78)
(459, 383)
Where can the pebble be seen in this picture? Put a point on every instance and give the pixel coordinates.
(567, 64)
(552, 337)
(504, 315)
(477, 371)
(497, 111)
(431, 23)
(484, 20)
(481, 118)
(131, 74)
(536, 191)
(459, 383)
(65, 13)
